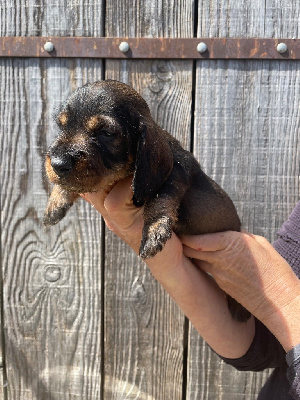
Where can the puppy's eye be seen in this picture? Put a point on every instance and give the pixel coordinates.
(102, 133)
(105, 132)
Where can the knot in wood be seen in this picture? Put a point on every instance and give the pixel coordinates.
(52, 274)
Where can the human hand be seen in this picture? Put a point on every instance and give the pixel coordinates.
(118, 211)
(193, 290)
(126, 220)
(249, 269)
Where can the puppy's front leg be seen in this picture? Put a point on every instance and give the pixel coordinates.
(59, 202)
(155, 235)
(160, 217)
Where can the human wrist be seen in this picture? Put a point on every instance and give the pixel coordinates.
(283, 321)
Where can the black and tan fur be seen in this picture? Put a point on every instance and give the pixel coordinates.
(106, 134)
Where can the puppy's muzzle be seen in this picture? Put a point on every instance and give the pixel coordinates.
(62, 165)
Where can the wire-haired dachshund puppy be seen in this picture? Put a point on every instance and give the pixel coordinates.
(106, 134)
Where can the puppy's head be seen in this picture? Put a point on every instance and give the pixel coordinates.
(106, 134)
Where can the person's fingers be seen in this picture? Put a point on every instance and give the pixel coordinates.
(120, 195)
(203, 265)
(264, 243)
(214, 241)
(119, 204)
(208, 242)
(208, 247)
(208, 256)
(85, 197)
(116, 207)
(96, 199)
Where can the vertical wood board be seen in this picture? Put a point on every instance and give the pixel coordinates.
(52, 278)
(246, 138)
(147, 321)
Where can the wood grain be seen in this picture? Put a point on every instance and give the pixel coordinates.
(248, 143)
(51, 278)
(144, 328)
(138, 312)
(246, 136)
(51, 18)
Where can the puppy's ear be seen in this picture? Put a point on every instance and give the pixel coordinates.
(154, 163)
(59, 202)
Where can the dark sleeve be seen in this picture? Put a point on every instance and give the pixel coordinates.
(293, 372)
(288, 242)
(265, 350)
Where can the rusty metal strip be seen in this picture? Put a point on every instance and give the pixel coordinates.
(150, 48)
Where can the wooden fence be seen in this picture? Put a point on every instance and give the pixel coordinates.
(81, 317)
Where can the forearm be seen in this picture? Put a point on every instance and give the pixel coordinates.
(202, 301)
(284, 320)
(192, 289)
(249, 269)
(199, 297)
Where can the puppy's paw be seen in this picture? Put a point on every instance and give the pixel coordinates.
(154, 237)
(59, 203)
(54, 213)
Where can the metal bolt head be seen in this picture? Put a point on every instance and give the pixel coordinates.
(281, 48)
(201, 47)
(48, 46)
(124, 47)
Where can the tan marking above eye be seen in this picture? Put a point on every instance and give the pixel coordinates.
(93, 122)
(63, 118)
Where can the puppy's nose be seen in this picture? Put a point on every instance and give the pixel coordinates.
(62, 165)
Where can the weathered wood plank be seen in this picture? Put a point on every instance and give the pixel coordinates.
(52, 278)
(52, 282)
(248, 143)
(3, 381)
(271, 18)
(57, 18)
(246, 136)
(144, 328)
(159, 18)
(138, 312)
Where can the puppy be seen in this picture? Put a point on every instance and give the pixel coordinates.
(106, 134)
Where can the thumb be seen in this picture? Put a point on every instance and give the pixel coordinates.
(119, 205)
